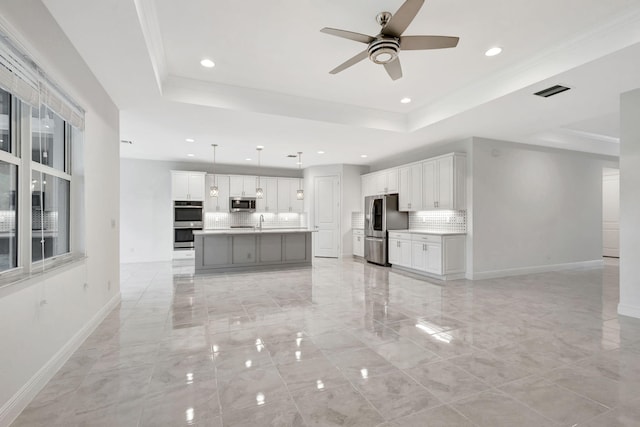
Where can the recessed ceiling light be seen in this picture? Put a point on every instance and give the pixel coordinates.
(207, 63)
(190, 140)
(405, 100)
(363, 156)
(320, 152)
(493, 51)
(248, 159)
(190, 155)
(260, 146)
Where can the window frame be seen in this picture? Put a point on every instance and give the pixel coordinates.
(46, 263)
(12, 157)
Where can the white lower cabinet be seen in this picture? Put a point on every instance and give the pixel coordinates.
(358, 243)
(399, 249)
(440, 256)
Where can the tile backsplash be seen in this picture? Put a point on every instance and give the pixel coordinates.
(447, 221)
(357, 220)
(213, 220)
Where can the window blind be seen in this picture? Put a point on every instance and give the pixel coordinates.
(20, 76)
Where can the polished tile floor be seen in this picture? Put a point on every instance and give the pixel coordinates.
(349, 344)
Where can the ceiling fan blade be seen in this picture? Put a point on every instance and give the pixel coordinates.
(363, 38)
(402, 18)
(348, 63)
(394, 69)
(427, 42)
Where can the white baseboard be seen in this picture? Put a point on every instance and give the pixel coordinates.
(629, 310)
(535, 269)
(14, 406)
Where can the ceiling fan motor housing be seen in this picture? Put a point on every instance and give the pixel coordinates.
(384, 49)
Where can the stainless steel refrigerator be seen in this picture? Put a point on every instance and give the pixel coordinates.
(381, 215)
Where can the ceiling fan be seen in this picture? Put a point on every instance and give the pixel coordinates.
(385, 47)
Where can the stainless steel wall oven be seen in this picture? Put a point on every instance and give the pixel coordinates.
(187, 216)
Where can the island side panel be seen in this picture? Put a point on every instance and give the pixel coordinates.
(270, 248)
(297, 247)
(215, 251)
(244, 249)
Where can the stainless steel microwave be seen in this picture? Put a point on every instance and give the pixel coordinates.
(242, 204)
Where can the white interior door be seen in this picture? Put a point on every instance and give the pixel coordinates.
(327, 216)
(611, 212)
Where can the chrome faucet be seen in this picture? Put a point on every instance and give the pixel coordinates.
(260, 222)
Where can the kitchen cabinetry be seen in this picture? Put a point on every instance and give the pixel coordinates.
(434, 255)
(287, 195)
(382, 182)
(399, 249)
(410, 187)
(242, 186)
(187, 185)
(269, 201)
(358, 242)
(426, 253)
(444, 182)
(229, 250)
(220, 203)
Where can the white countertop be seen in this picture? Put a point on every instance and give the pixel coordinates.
(225, 231)
(433, 232)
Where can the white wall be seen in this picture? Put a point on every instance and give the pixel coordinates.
(534, 208)
(146, 215)
(36, 339)
(611, 212)
(630, 204)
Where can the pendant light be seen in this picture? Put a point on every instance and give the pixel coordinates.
(300, 192)
(213, 190)
(259, 192)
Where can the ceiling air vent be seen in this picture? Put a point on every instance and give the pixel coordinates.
(293, 156)
(550, 91)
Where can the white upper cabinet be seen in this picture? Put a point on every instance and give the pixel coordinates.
(382, 182)
(269, 201)
(221, 202)
(367, 185)
(410, 187)
(187, 185)
(444, 182)
(287, 195)
(392, 181)
(242, 186)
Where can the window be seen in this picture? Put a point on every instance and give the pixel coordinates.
(50, 185)
(8, 217)
(48, 144)
(50, 216)
(40, 200)
(5, 121)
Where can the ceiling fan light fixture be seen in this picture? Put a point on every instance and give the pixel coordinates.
(384, 50)
(493, 51)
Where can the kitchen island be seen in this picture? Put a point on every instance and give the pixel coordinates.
(251, 249)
